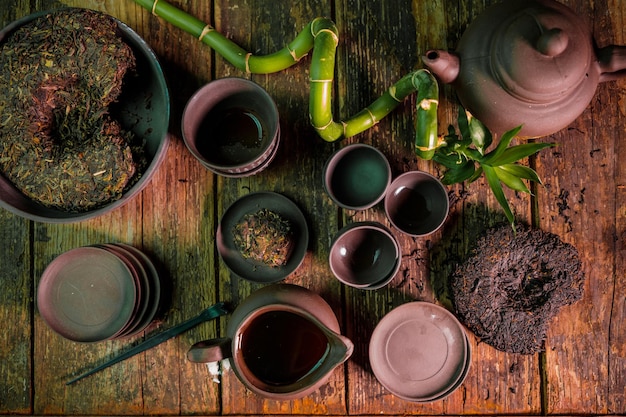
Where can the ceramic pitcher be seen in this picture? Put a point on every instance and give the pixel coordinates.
(282, 342)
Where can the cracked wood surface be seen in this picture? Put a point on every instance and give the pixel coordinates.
(583, 200)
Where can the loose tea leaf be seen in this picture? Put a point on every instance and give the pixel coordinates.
(264, 236)
(513, 284)
(59, 145)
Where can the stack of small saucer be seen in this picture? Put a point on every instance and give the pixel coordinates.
(420, 352)
(100, 292)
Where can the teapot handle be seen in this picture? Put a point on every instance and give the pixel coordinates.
(612, 60)
(213, 350)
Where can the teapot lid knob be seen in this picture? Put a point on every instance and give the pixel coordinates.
(552, 42)
(541, 54)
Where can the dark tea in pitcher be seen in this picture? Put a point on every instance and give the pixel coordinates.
(281, 347)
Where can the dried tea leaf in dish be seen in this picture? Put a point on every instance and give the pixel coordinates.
(59, 144)
(264, 236)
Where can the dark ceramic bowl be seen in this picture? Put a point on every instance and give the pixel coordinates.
(247, 268)
(143, 108)
(357, 176)
(365, 255)
(417, 203)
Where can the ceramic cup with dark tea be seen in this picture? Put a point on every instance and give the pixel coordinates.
(365, 255)
(283, 342)
(417, 203)
(231, 125)
(356, 176)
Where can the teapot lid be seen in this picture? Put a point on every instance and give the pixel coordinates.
(541, 52)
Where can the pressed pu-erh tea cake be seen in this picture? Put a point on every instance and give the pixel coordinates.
(59, 143)
(264, 236)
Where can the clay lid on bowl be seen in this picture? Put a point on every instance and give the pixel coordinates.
(87, 294)
(419, 351)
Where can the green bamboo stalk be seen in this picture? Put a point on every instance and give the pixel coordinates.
(321, 36)
(426, 135)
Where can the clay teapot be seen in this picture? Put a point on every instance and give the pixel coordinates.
(282, 341)
(527, 62)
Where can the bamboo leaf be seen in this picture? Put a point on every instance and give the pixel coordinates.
(515, 153)
(449, 160)
(522, 171)
(505, 140)
(452, 142)
(498, 192)
(477, 174)
(459, 173)
(463, 123)
(480, 135)
(512, 181)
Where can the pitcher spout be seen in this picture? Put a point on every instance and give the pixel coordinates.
(340, 349)
(445, 65)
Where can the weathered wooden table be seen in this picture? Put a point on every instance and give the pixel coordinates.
(583, 200)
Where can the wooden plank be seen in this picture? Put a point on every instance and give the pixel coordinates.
(57, 359)
(617, 334)
(178, 229)
(177, 225)
(15, 311)
(574, 349)
(264, 27)
(377, 47)
(160, 380)
(16, 287)
(577, 360)
(497, 382)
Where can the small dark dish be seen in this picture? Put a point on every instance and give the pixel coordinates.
(257, 271)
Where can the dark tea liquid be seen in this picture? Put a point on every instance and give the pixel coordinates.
(281, 347)
(231, 136)
(413, 209)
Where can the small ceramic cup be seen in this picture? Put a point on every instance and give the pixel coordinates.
(365, 255)
(416, 203)
(231, 125)
(356, 176)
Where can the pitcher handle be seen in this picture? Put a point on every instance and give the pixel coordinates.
(612, 60)
(213, 350)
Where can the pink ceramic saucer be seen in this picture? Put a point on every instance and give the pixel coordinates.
(460, 379)
(154, 280)
(143, 286)
(87, 294)
(419, 352)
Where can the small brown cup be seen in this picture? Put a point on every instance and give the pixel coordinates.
(365, 255)
(231, 125)
(416, 203)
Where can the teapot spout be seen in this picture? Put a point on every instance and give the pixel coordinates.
(612, 60)
(445, 65)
